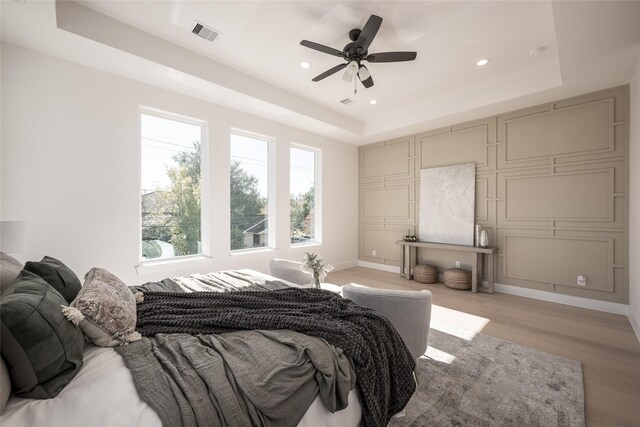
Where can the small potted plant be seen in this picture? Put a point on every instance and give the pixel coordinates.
(316, 265)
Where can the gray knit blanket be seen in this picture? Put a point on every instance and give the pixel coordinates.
(383, 365)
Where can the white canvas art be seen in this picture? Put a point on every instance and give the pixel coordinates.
(447, 204)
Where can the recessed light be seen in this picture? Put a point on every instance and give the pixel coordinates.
(373, 102)
(482, 62)
(305, 64)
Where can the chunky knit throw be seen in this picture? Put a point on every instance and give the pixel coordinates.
(383, 364)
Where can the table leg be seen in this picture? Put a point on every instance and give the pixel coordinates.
(413, 254)
(480, 271)
(402, 266)
(474, 272)
(491, 273)
(407, 262)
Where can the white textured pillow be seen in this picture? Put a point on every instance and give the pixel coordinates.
(105, 309)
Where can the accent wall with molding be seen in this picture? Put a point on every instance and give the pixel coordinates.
(551, 190)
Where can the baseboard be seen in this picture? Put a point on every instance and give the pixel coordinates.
(606, 306)
(376, 266)
(345, 265)
(609, 307)
(635, 322)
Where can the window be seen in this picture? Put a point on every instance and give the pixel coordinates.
(250, 204)
(170, 182)
(304, 203)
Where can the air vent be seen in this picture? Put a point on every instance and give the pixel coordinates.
(346, 101)
(207, 33)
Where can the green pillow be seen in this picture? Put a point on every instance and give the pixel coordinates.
(41, 348)
(58, 275)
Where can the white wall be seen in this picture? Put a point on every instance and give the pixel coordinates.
(71, 164)
(634, 203)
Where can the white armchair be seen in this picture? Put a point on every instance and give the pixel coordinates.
(408, 311)
(289, 271)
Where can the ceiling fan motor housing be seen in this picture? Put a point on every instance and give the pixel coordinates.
(354, 53)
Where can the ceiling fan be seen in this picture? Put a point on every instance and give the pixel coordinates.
(357, 51)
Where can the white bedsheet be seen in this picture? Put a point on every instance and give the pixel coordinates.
(103, 394)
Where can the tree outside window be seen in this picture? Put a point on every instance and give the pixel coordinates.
(171, 181)
(302, 205)
(249, 179)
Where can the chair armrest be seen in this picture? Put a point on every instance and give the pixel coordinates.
(408, 311)
(289, 271)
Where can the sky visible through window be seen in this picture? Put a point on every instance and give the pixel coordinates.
(161, 140)
(302, 170)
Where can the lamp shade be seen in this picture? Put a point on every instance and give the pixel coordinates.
(13, 236)
(350, 71)
(363, 73)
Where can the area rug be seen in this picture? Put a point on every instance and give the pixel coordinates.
(486, 381)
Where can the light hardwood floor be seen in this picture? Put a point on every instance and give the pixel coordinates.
(603, 342)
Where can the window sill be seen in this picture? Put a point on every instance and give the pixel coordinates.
(152, 266)
(250, 251)
(305, 244)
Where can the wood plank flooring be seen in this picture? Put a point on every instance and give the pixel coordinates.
(603, 342)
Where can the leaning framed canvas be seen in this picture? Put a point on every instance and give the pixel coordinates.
(447, 204)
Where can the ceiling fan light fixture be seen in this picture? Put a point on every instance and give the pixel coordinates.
(482, 62)
(363, 73)
(350, 71)
(373, 102)
(305, 65)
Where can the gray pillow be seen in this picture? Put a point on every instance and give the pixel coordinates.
(105, 309)
(9, 270)
(43, 350)
(58, 275)
(5, 385)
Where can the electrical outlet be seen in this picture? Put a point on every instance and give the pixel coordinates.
(457, 264)
(582, 280)
(373, 252)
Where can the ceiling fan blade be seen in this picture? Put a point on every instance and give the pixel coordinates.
(365, 76)
(391, 57)
(369, 32)
(329, 72)
(321, 48)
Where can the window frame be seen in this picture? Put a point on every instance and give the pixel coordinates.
(271, 190)
(205, 244)
(317, 184)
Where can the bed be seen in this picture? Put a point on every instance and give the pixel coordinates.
(109, 390)
(103, 392)
(105, 379)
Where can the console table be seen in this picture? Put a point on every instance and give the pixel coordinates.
(410, 253)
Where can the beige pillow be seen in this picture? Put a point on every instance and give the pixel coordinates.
(105, 309)
(9, 270)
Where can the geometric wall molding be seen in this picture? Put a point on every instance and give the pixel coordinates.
(575, 196)
(387, 202)
(559, 260)
(551, 191)
(455, 147)
(555, 133)
(386, 161)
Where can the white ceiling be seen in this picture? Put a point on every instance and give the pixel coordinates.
(254, 66)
